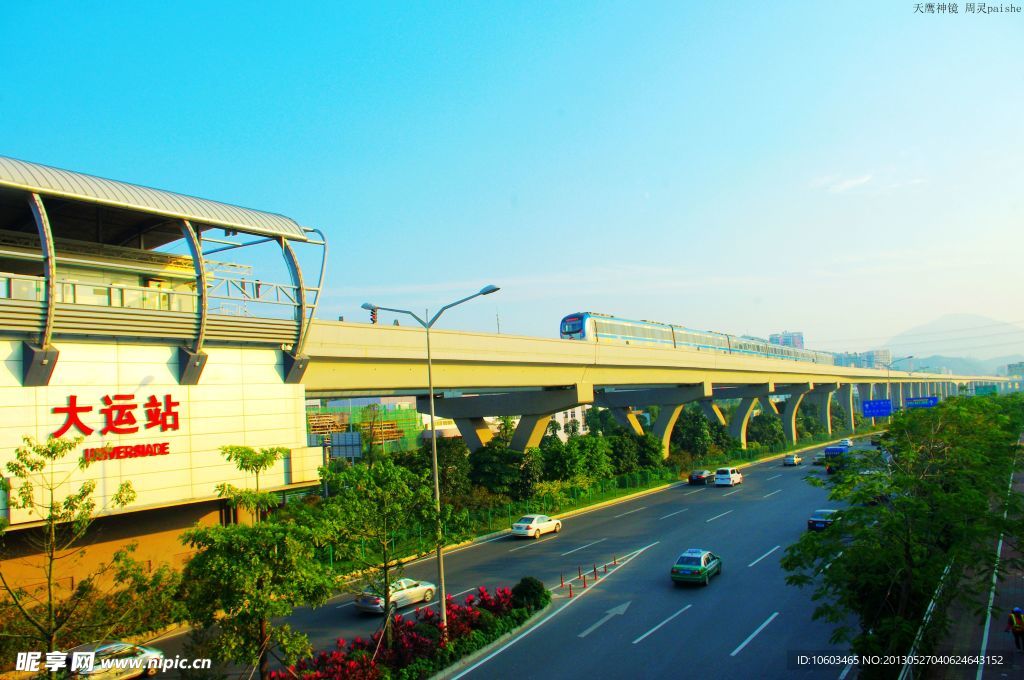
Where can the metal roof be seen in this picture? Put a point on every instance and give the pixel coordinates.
(47, 181)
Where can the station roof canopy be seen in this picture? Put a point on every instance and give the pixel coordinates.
(89, 208)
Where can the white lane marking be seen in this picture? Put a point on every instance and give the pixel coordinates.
(992, 593)
(662, 623)
(628, 558)
(674, 513)
(842, 676)
(764, 555)
(772, 493)
(690, 493)
(771, 478)
(717, 516)
(534, 542)
(583, 546)
(754, 634)
(731, 493)
(630, 512)
(347, 604)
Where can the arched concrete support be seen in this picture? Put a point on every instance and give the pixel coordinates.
(626, 417)
(667, 417)
(788, 409)
(475, 432)
(535, 409)
(821, 396)
(712, 412)
(896, 394)
(865, 392)
(740, 418)
(844, 397)
(530, 431)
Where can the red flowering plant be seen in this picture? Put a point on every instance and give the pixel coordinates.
(348, 661)
(498, 604)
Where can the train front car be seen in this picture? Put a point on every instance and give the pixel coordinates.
(574, 327)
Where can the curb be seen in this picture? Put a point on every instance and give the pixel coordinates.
(489, 647)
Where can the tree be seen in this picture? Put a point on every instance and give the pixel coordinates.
(766, 429)
(41, 485)
(496, 467)
(572, 428)
(506, 429)
(625, 456)
(600, 421)
(252, 574)
(531, 473)
(649, 451)
(909, 518)
(453, 466)
(374, 509)
(251, 461)
(553, 428)
(582, 457)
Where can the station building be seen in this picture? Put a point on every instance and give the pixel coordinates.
(156, 358)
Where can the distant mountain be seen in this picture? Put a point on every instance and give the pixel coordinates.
(981, 339)
(961, 365)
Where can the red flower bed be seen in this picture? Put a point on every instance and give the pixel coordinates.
(415, 641)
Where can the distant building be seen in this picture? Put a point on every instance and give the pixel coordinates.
(876, 358)
(1015, 369)
(788, 339)
(851, 359)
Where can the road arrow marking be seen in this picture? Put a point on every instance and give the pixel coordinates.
(614, 611)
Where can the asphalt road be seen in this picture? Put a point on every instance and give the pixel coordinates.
(655, 630)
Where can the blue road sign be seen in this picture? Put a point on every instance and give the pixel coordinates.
(922, 402)
(876, 408)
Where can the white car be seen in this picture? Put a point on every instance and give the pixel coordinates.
(535, 525)
(846, 442)
(728, 477)
(404, 591)
(792, 459)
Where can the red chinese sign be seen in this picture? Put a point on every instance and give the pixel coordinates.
(119, 415)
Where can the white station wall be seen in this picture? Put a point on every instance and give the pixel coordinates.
(241, 399)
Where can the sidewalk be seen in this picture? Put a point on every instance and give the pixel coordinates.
(967, 633)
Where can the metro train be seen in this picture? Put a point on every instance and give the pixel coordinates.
(595, 327)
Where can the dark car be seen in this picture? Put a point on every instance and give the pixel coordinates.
(702, 477)
(821, 519)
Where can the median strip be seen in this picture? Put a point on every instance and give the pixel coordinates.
(754, 634)
(662, 623)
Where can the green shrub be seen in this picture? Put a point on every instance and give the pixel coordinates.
(418, 669)
(487, 623)
(428, 630)
(530, 594)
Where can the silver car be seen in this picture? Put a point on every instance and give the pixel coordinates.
(404, 591)
(108, 655)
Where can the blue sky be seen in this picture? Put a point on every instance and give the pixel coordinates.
(847, 169)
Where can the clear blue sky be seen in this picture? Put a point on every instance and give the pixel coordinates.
(846, 169)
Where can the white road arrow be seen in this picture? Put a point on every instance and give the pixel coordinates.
(615, 611)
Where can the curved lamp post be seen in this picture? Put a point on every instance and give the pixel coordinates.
(427, 325)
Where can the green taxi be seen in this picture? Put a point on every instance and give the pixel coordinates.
(696, 566)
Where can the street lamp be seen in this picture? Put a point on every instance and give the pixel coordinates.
(427, 325)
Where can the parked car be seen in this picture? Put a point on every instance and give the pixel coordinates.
(846, 442)
(696, 565)
(404, 591)
(792, 459)
(115, 651)
(728, 477)
(535, 525)
(702, 477)
(821, 519)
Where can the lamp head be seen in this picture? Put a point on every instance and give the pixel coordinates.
(368, 307)
(487, 290)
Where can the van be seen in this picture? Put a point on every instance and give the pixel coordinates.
(728, 477)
